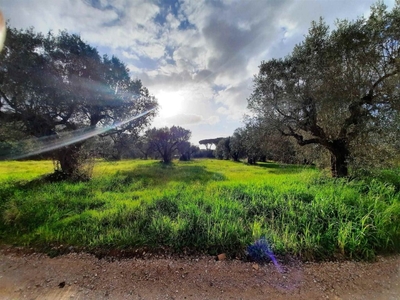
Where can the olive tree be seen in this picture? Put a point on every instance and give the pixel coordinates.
(335, 87)
(166, 140)
(223, 149)
(186, 150)
(237, 145)
(51, 84)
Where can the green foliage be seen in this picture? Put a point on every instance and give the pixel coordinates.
(166, 141)
(53, 86)
(207, 206)
(223, 149)
(338, 89)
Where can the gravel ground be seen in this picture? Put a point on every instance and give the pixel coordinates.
(83, 276)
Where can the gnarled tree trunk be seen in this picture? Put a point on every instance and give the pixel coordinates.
(69, 159)
(339, 158)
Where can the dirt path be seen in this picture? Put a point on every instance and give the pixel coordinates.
(82, 276)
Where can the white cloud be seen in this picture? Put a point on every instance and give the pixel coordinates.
(129, 55)
(186, 119)
(212, 120)
(153, 51)
(234, 100)
(172, 21)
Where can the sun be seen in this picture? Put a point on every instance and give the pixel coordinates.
(171, 103)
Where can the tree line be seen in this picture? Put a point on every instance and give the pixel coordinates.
(164, 143)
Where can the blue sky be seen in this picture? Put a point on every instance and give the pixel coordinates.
(197, 57)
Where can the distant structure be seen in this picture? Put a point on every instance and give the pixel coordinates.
(209, 142)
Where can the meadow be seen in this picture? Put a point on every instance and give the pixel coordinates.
(202, 206)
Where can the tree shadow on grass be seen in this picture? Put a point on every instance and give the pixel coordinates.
(157, 174)
(7, 189)
(142, 176)
(280, 169)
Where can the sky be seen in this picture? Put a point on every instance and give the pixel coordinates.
(198, 58)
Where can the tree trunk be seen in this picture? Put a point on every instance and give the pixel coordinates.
(69, 159)
(117, 155)
(119, 147)
(167, 160)
(167, 157)
(251, 160)
(339, 159)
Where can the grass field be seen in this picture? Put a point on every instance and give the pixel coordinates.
(206, 206)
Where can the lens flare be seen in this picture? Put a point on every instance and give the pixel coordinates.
(274, 261)
(261, 251)
(2, 31)
(50, 143)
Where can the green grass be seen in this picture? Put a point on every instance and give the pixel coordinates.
(207, 206)
(17, 171)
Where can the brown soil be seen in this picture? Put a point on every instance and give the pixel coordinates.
(83, 276)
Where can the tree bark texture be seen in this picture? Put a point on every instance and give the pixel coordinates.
(69, 158)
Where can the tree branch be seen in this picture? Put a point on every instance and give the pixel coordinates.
(3, 95)
(356, 109)
(300, 139)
